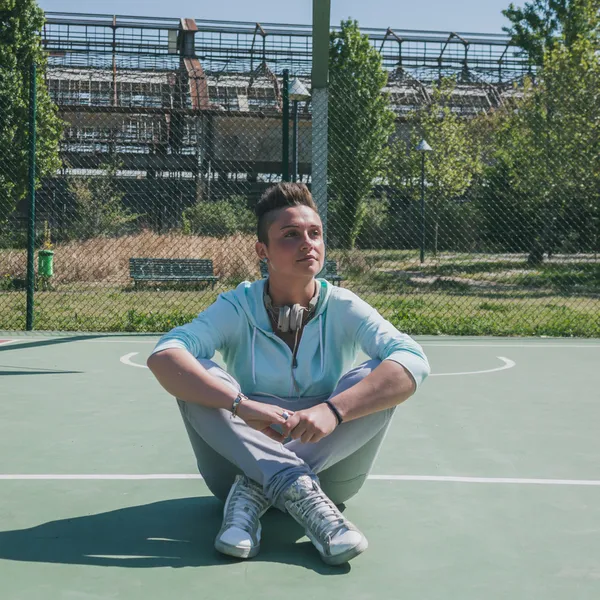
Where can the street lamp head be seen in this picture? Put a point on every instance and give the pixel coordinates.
(424, 147)
(297, 91)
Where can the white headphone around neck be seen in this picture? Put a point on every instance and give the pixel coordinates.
(289, 317)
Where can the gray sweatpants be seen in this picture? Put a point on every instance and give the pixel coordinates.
(226, 446)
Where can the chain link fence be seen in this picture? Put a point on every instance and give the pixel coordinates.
(494, 230)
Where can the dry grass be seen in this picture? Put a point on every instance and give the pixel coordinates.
(106, 260)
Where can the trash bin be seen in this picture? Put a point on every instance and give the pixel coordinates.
(45, 263)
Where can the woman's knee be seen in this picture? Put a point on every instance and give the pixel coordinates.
(219, 372)
(356, 374)
(219, 486)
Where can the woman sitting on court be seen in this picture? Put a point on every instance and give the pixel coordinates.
(288, 422)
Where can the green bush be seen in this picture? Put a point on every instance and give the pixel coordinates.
(7, 283)
(100, 209)
(219, 219)
(375, 225)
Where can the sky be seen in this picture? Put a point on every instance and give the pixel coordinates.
(478, 16)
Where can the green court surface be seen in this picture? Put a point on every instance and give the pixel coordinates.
(487, 486)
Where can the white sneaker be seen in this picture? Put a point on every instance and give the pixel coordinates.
(239, 535)
(336, 539)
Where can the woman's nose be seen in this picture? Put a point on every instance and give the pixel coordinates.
(306, 241)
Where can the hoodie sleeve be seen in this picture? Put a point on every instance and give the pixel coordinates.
(378, 338)
(210, 331)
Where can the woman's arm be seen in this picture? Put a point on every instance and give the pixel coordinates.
(403, 367)
(388, 385)
(184, 377)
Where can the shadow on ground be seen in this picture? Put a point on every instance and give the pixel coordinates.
(171, 533)
(38, 343)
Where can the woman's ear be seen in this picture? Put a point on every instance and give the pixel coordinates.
(261, 250)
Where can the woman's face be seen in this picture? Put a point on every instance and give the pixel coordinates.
(296, 244)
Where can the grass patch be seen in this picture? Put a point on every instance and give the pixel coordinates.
(562, 278)
(451, 294)
(105, 310)
(450, 285)
(417, 313)
(143, 322)
(494, 307)
(444, 315)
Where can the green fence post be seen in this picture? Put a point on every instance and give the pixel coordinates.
(285, 127)
(31, 228)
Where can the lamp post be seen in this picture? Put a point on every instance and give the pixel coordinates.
(423, 148)
(296, 93)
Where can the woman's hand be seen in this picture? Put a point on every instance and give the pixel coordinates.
(261, 416)
(311, 425)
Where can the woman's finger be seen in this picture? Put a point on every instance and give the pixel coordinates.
(274, 435)
(290, 424)
(281, 419)
(298, 431)
(306, 437)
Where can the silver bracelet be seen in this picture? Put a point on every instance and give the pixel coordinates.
(236, 404)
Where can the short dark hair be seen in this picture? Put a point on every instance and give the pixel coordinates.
(278, 196)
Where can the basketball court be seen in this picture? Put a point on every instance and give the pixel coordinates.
(487, 486)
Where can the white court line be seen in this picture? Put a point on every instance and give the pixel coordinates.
(508, 364)
(131, 341)
(184, 476)
(64, 339)
(126, 360)
(449, 345)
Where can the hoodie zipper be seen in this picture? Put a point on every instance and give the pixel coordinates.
(294, 362)
(274, 336)
(279, 340)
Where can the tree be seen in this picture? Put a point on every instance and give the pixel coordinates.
(456, 161)
(541, 24)
(221, 218)
(548, 150)
(20, 45)
(360, 125)
(99, 201)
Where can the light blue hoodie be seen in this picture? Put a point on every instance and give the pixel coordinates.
(237, 325)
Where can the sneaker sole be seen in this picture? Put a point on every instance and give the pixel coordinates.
(344, 557)
(235, 551)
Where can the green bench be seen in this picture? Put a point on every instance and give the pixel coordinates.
(329, 271)
(172, 269)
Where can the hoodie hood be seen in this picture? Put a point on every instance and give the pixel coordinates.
(249, 297)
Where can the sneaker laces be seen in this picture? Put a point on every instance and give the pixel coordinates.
(321, 516)
(245, 507)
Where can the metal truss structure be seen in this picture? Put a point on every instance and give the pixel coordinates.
(162, 92)
(104, 60)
